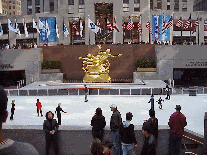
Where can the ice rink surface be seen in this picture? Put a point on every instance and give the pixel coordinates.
(80, 112)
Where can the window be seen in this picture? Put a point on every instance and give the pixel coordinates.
(29, 2)
(159, 4)
(37, 2)
(126, 1)
(70, 2)
(184, 6)
(9, 7)
(13, 12)
(136, 9)
(151, 4)
(184, 0)
(51, 6)
(176, 5)
(168, 7)
(13, 7)
(168, 0)
(81, 2)
(136, 1)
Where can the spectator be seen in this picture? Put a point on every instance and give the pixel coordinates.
(96, 147)
(50, 128)
(7, 46)
(115, 123)
(12, 110)
(149, 142)
(152, 122)
(107, 147)
(168, 92)
(9, 146)
(39, 107)
(19, 47)
(127, 136)
(35, 45)
(152, 102)
(58, 109)
(98, 122)
(177, 122)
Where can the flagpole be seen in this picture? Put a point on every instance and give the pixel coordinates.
(47, 31)
(63, 29)
(89, 32)
(33, 32)
(140, 27)
(149, 29)
(198, 29)
(8, 29)
(182, 31)
(190, 27)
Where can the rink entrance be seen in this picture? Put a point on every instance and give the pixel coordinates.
(9, 79)
(190, 76)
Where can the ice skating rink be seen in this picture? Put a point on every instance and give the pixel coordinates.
(80, 112)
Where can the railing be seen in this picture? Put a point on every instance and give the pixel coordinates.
(100, 91)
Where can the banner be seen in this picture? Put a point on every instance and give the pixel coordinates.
(157, 21)
(43, 37)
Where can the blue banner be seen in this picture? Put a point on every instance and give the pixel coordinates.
(52, 27)
(157, 20)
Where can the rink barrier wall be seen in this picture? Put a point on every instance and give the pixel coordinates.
(76, 140)
(102, 91)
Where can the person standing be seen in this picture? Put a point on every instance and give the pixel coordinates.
(39, 107)
(152, 102)
(177, 122)
(50, 128)
(168, 92)
(58, 109)
(12, 110)
(160, 102)
(127, 136)
(115, 123)
(98, 122)
(86, 92)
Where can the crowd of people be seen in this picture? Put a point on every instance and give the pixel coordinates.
(123, 136)
(18, 46)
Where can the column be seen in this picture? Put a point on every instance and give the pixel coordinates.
(46, 5)
(24, 5)
(131, 7)
(118, 36)
(164, 4)
(205, 133)
(55, 6)
(201, 28)
(33, 8)
(41, 7)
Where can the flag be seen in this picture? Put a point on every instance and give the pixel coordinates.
(139, 28)
(74, 26)
(188, 23)
(99, 25)
(157, 25)
(81, 28)
(66, 33)
(123, 27)
(47, 29)
(205, 24)
(17, 29)
(130, 25)
(35, 26)
(195, 25)
(169, 23)
(115, 26)
(25, 28)
(1, 30)
(163, 24)
(41, 25)
(149, 27)
(109, 25)
(57, 33)
(11, 26)
(92, 26)
(179, 23)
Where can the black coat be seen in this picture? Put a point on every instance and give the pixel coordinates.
(98, 123)
(153, 123)
(58, 109)
(13, 108)
(47, 127)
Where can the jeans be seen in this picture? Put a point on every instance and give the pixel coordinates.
(115, 140)
(128, 148)
(174, 145)
(85, 96)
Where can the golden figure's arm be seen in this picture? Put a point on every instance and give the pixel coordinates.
(115, 56)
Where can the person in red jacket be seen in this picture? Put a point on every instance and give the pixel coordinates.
(107, 145)
(177, 122)
(39, 107)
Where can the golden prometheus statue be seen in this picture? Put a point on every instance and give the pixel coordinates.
(97, 67)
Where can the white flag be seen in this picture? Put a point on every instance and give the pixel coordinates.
(47, 29)
(66, 33)
(81, 28)
(1, 30)
(25, 28)
(92, 26)
(17, 29)
(41, 25)
(11, 26)
(57, 31)
(35, 26)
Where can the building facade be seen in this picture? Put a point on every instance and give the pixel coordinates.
(10, 7)
(200, 5)
(71, 12)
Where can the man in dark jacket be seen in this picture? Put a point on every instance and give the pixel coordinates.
(127, 136)
(58, 109)
(86, 92)
(177, 122)
(115, 123)
(168, 92)
(152, 102)
(12, 110)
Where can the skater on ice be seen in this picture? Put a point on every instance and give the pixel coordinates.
(86, 92)
(39, 107)
(12, 110)
(168, 92)
(58, 109)
(160, 102)
(152, 102)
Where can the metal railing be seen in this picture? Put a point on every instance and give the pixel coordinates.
(100, 91)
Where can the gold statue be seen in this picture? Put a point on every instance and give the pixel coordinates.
(97, 67)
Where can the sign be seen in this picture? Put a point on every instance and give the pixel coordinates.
(3, 66)
(43, 37)
(197, 64)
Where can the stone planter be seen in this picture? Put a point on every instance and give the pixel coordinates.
(51, 71)
(146, 69)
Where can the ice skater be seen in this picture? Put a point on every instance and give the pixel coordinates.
(12, 110)
(86, 92)
(39, 107)
(160, 102)
(152, 102)
(58, 109)
(168, 92)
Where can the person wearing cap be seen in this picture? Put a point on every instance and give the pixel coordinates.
(127, 136)
(58, 109)
(8, 146)
(12, 110)
(115, 123)
(152, 102)
(86, 92)
(177, 122)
